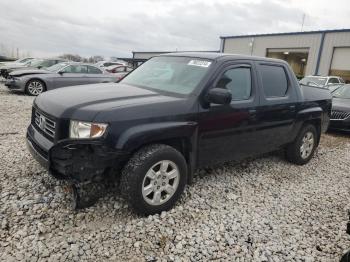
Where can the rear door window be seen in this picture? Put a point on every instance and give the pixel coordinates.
(76, 69)
(274, 80)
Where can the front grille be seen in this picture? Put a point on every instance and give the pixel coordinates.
(45, 124)
(339, 115)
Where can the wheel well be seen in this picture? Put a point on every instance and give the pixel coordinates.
(181, 144)
(317, 124)
(37, 79)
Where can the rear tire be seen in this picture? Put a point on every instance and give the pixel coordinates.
(154, 179)
(35, 87)
(302, 149)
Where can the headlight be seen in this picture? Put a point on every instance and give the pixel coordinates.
(79, 129)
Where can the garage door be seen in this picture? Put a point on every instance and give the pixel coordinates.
(341, 62)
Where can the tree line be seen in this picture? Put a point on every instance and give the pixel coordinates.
(78, 58)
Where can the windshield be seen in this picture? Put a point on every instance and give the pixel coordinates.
(56, 67)
(178, 75)
(36, 62)
(23, 60)
(313, 81)
(342, 92)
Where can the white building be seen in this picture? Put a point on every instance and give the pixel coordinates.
(309, 53)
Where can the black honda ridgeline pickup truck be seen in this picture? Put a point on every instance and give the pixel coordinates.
(172, 115)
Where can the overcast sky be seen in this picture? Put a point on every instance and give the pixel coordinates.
(115, 28)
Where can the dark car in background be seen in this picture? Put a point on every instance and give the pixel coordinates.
(35, 81)
(32, 64)
(340, 117)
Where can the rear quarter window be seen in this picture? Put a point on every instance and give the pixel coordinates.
(274, 80)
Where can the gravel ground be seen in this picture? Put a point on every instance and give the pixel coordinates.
(260, 210)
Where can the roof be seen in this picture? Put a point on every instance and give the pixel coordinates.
(215, 56)
(289, 33)
(163, 52)
(317, 76)
(205, 55)
(77, 63)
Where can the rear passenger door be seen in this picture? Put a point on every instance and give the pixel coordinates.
(276, 113)
(95, 75)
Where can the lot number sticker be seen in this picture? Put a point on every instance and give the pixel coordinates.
(201, 63)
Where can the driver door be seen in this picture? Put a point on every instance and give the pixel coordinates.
(229, 132)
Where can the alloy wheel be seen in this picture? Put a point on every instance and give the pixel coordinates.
(307, 145)
(160, 182)
(35, 88)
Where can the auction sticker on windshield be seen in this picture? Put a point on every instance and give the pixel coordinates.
(201, 63)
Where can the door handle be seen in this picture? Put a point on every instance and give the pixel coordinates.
(252, 112)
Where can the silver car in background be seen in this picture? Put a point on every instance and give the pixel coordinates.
(34, 82)
(32, 64)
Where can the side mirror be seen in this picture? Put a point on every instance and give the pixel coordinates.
(219, 96)
(61, 72)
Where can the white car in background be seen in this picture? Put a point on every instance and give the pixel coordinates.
(119, 71)
(110, 63)
(322, 81)
(17, 62)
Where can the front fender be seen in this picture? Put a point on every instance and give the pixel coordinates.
(140, 135)
(137, 136)
(26, 80)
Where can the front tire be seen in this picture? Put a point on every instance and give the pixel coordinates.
(35, 87)
(154, 179)
(303, 148)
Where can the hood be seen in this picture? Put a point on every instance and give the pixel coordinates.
(84, 102)
(341, 104)
(29, 71)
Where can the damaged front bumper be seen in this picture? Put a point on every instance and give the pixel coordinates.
(77, 160)
(14, 84)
